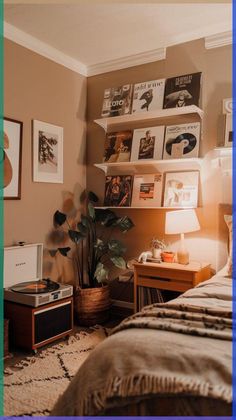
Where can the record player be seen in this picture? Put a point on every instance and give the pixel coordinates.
(23, 281)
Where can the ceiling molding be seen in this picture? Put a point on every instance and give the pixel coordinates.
(125, 62)
(20, 37)
(218, 40)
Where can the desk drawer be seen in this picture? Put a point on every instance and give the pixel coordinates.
(156, 273)
(164, 284)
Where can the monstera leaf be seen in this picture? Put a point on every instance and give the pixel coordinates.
(101, 273)
(119, 262)
(101, 246)
(116, 247)
(85, 221)
(75, 236)
(124, 224)
(64, 251)
(59, 218)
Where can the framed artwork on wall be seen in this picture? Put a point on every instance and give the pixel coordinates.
(47, 152)
(181, 189)
(12, 157)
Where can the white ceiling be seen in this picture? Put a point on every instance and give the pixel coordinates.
(93, 34)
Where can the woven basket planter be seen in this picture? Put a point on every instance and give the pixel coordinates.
(92, 305)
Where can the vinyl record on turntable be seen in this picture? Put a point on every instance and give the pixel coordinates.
(36, 287)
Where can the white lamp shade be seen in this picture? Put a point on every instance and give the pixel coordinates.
(181, 221)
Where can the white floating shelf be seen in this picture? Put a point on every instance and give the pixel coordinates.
(108, 122)
(223, 151)
(145, 208)
(156, 165)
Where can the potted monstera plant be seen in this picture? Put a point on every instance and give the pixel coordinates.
(94, 250)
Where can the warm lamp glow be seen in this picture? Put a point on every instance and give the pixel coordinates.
(181, 222)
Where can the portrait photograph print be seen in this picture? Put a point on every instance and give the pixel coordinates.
(118, 191)
(147, 143)
(11, 158)
(147, 190)
(47, 152)
(181, 189)
(118, 146)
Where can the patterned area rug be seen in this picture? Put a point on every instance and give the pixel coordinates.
(32, 387)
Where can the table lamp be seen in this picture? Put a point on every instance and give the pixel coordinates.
(181, 222)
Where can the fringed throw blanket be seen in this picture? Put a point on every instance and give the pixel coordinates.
(182, 347)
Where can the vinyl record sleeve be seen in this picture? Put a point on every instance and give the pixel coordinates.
(182, 141)
(182, 90)
(118, 146)
(181, 189)
(118, 191)
(147, 190)
(117, 101)
(148, 96)
(147, 143)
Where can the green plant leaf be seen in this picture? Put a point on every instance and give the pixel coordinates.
(100, 246)
(124, 224)
(116, 247)
(91, 211)
(75, 236)
(119, 262)
(64, 251)
(105, 216)
(52, 252)
(83, 229)
(101, 273)
(59, 218)
(92, 197)
(85, 221)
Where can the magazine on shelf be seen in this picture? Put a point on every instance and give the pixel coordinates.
(148, 96)
(147, 190)
(182, 141)
(117, 101)
(182, 90)
(147, 143)
(118, 146)
(181, 189)
(118, 191)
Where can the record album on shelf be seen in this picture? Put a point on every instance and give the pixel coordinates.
(147, 143)
(148, 96)
(147, 190)
(118, 191)
(182, 141)
(118, 146)
(117, 101)
(182, 90)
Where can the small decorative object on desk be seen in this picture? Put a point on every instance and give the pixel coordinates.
(157, 247)
(168, 256)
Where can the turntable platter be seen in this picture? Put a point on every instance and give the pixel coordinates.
(36, 287)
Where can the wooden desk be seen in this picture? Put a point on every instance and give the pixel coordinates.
(169, 276)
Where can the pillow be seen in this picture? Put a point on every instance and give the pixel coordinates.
(229, 222)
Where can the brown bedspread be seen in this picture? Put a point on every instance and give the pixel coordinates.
(182, 347)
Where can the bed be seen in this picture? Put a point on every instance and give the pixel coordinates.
(171, 359)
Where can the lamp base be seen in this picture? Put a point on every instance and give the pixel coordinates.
(183, 257)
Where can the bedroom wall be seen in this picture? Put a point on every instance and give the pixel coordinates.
(37, 88)
(190, 57)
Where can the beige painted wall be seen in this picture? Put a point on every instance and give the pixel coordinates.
(37, 88)
(190, 57)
